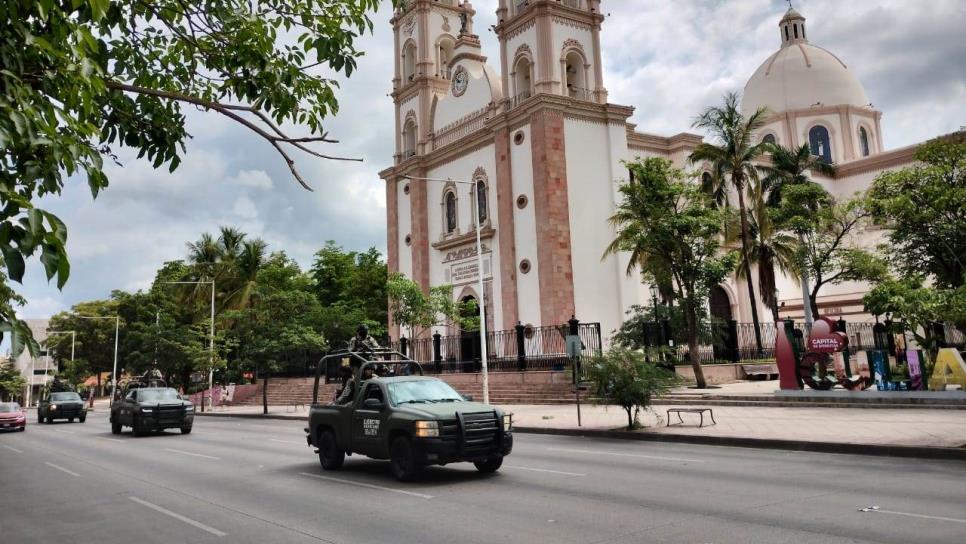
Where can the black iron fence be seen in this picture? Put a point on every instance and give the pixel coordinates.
(521, 348)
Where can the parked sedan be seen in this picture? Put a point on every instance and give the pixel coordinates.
(65, 405)
(12, 417)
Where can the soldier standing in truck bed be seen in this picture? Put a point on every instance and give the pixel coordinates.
(362, 341)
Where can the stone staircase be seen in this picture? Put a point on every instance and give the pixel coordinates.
(291, 391)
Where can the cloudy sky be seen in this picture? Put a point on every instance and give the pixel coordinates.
(669, 59)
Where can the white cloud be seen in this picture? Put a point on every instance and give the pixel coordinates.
(668, 59)
(252, 178)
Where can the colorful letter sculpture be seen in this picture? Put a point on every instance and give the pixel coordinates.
(914, 359)
(823, 350)
(949, 369)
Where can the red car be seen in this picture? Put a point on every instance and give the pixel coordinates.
(12, 417)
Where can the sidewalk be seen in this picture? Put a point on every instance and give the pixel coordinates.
(883, 431)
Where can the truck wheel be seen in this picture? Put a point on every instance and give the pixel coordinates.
(115, 427)
(136, 429)
(402, 460)
(50, 420)
(186, 430)
(330, 456)
(82, 419)
(70, 420)
(490, 465)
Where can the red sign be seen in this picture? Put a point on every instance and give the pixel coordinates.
(825, 339)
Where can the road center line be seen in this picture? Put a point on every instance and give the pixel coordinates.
(637, 455)
(302, 443)
(911, 515)
(106, 438)
(193, 454)
(63, 431)
(544, 470)
(370, 486)
(179, 517)
(11, 448)
(62, 469)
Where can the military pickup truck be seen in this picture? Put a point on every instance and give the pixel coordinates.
(411, 420)
(147, 409)
(61, 405)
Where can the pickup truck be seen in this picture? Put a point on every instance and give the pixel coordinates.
(413, 421)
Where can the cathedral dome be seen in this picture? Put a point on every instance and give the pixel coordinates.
(800, 75)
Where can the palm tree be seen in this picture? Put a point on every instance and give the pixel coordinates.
(770, 247)
(733, 160)
(792, 167)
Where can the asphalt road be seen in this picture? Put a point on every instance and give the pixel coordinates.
(241, 480)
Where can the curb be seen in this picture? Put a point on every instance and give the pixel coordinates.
(292, 417)
(885, 450)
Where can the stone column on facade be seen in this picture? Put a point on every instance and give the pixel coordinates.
(848, 143)
(392, 236)
(418, 204)
(545, 82)
(551, 207)
(505, 228)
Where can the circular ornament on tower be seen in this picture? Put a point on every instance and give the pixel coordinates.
(522, 201)
(461, 80)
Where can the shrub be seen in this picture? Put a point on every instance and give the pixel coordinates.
(622, 377)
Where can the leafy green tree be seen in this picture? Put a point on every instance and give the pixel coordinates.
(94, 347)
(81, 79)
(622, 377)
(924, 208)
(413, 309)
(12, 383)
(733, 162)
(828, 251)
(671, 226)
(352, 289)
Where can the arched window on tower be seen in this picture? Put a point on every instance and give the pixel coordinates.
(522, 79)
(769, 139)
(576, 76)
(446, 46)
(482, 202)
(820, 144)
(409, 139)
(864, 141)
(409, 62)
(449, 211)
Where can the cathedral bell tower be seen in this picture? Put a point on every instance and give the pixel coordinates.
(551, 47)
(426, 33)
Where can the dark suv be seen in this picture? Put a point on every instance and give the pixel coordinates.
(148, 409)
(63, 405)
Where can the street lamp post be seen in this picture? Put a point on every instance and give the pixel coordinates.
(479, 266)
(211, 341)
(117, 333)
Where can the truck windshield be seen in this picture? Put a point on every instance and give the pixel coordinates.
(62, 397)
(155, 395)
(419, 391)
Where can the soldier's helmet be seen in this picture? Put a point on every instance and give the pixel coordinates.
(362, 330)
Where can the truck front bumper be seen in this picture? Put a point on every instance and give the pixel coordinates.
(438, 451)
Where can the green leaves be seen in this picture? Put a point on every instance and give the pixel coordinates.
(623, 377)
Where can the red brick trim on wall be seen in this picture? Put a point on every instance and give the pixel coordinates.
(505, 228)
(419, 210)
(552, 211)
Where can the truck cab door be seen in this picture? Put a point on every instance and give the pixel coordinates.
(368, 421)
(128, 405)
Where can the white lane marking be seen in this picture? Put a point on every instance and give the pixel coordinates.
(60, 468)
(544, 470)
(877, 510)
(637, 455)
(370, 486)
(106, 438)
(11, 448)
(193, 454)
(179, 517)
(287, 441)
(63, 431)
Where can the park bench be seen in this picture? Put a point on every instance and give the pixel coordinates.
(767, 370)
(700, 411)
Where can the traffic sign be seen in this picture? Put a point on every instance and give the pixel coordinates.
(574, 346)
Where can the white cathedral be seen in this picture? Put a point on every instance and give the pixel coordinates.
(544, 148)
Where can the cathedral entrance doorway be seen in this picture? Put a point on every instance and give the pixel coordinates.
(721, 316)
(469, 339)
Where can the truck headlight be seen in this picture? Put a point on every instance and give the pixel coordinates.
(146, 410)
(427, 429)
(507, 422)
(53, 406)
(189, 408)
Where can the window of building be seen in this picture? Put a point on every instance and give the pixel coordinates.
(864, 141)
(820, 143)
(769, 139)
(522, 79)
(706, 180)
(450, 210)
(409, 139)
(576, 80)
(409, 62)
(481, 201)
(446, 46)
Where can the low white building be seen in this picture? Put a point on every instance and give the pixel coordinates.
(36, 369)
(545, 147)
